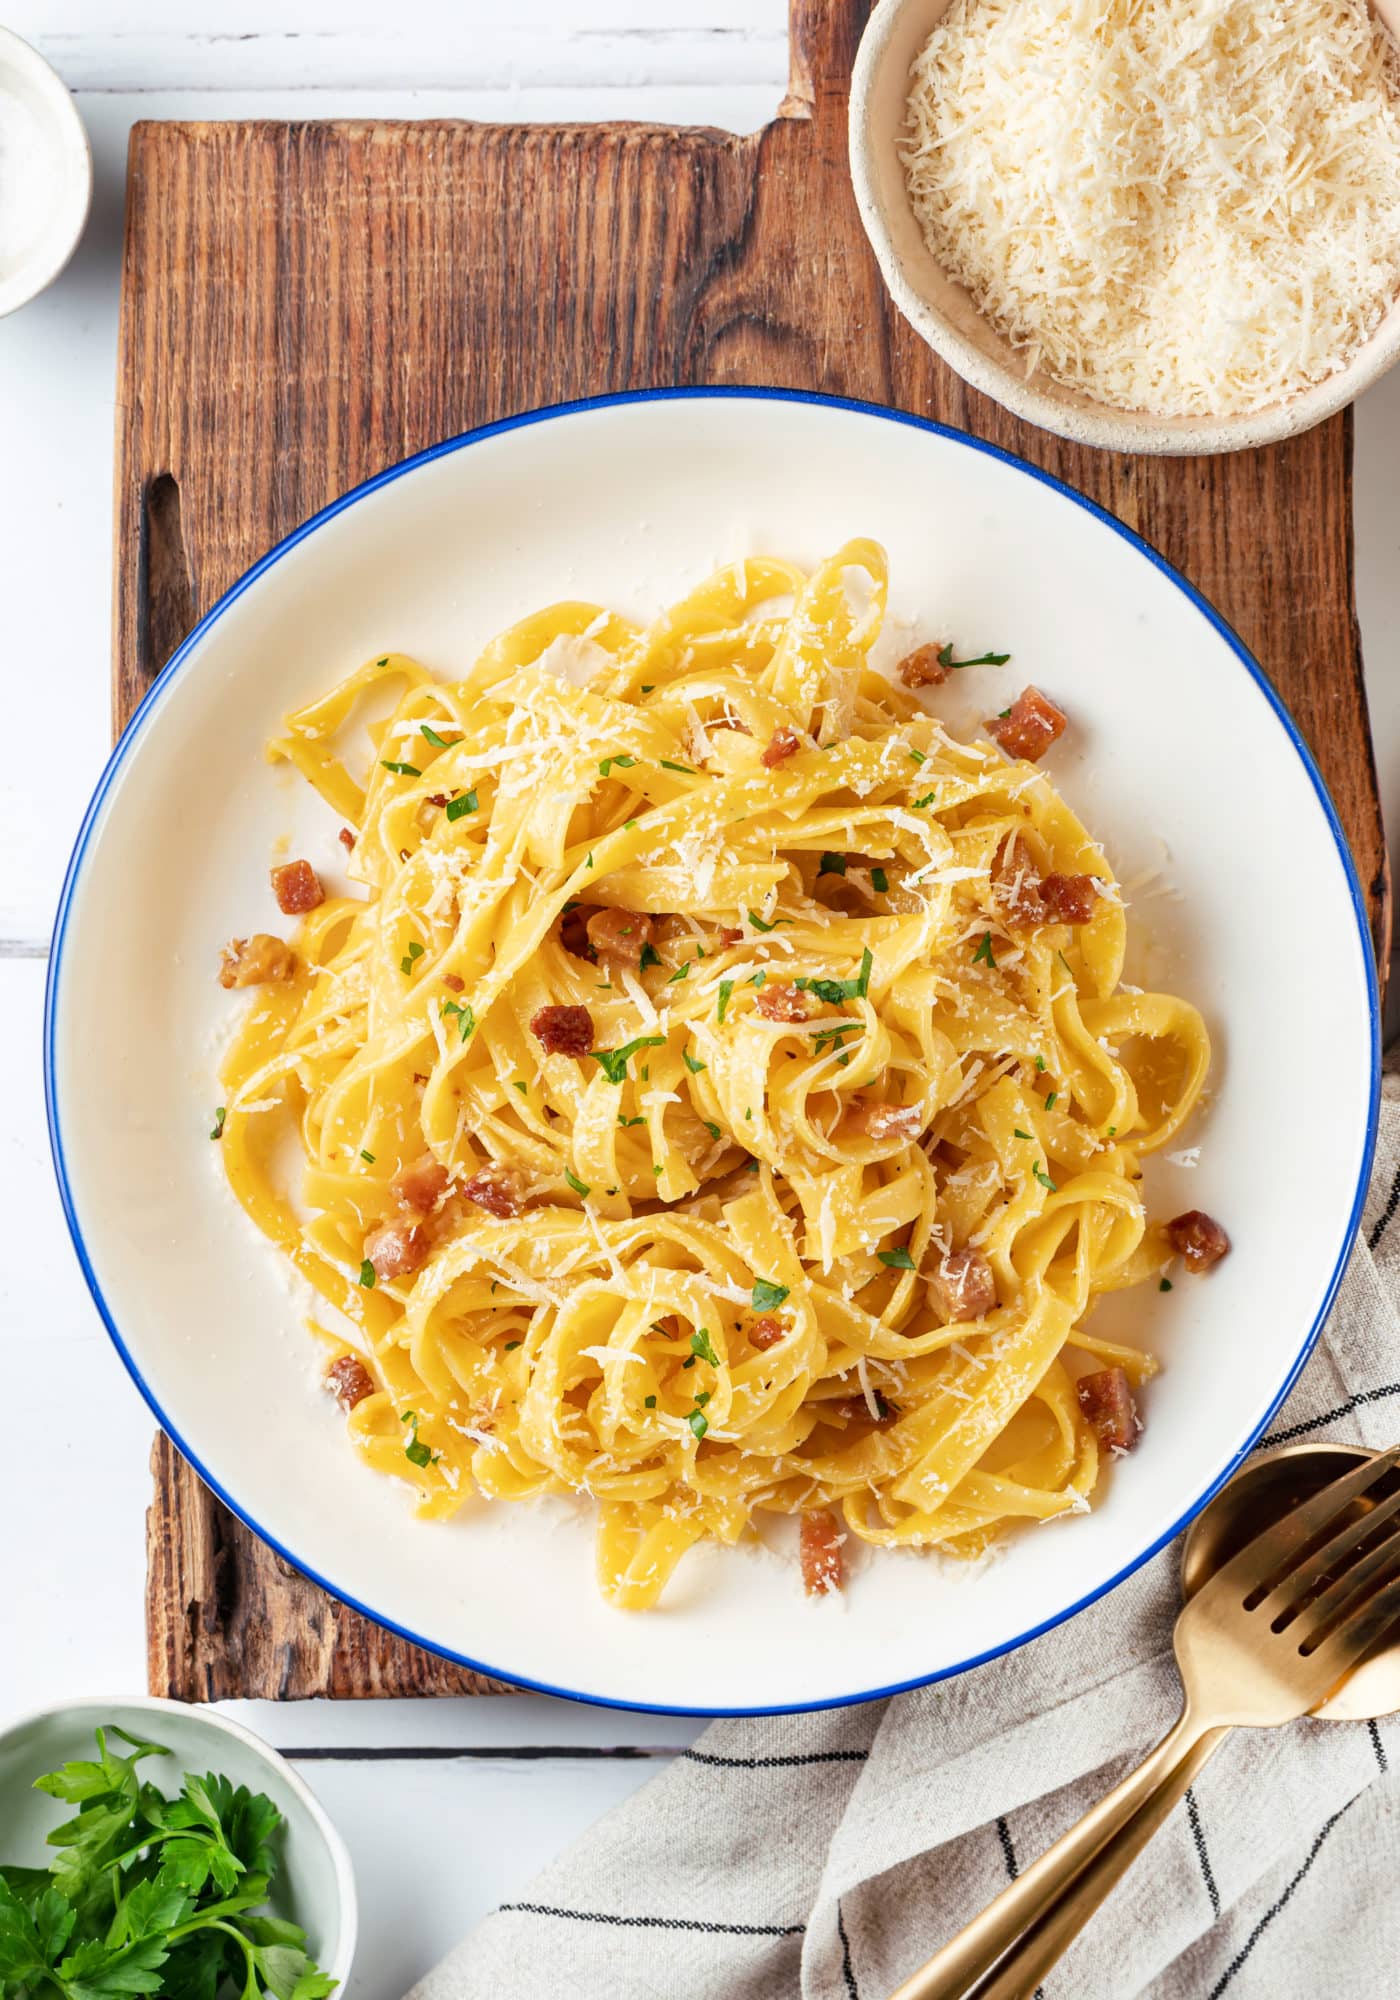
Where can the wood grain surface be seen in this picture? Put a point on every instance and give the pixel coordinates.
(304, 304)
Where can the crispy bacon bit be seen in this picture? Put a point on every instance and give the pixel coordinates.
(820, 1545)
(767, 1332)
(1198, 1238)
(396, 1248)
(499, 1190)
(421, 1186)
(782, 744)
(780, 1000)
(855, 1410)
(1016, 885)
(1031, 727)
(453, 983)
(728, 936)
(620, 934)
(346, 839)
(255, 960)
(573, 931)
(962, 1287)
(1069, 899)
(297, 888)
(887, 1121)
(922, 668)
(563, 1031)
(1107, 1403)
(349, 1381)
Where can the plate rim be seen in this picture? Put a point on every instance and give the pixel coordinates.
(186, 651)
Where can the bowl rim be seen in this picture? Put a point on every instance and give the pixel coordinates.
(1085, 421)
(54, 250)
(188, 651)
(225, 1725)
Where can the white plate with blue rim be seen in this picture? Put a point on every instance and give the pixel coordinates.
(1180, 759)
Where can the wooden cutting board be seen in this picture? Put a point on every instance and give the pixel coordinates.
(303, 304)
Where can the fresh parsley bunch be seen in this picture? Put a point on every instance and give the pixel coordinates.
(148, 1895)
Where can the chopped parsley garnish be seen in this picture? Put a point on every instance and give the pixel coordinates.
(1113, 1131)
(983, 953)
(656, 1172)
(834, 991)
(579, 1187)
(511, 1346)
(640, 1119)
(703, 1346)
(466, 1020)
(610, 764)
(945, 659)
(712, 1129)
(410, 957)
(628, 824)
(415, 1451)
(1019, 1134)
(648, 957)
(438, 742)
(1043, 1178)
(219, 1116)
(702, 1396)
(683, 973)
(756, 920)
(464, 803)
(667, 765)
(758, 979)
(404, 770)
(384, 662)
(879, 881)
(589, 862)
(367, 1275)
(829, 1037)
(1064, 962)
(832, 864)
(693, 1063)
(1165, 1285)
(698, 1422)
(928, 799)
(520, 1084)
(647, 686)
(726, 987)
(767, 1295)
(366, 1156)
(751, 1166)
(1002, 714)
(1050, 1100)
(898, 1260)
(917, 756)
(614, 1061)
(649, 1402)
(1040, 1062)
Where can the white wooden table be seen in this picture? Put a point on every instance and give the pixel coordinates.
(447, 1806)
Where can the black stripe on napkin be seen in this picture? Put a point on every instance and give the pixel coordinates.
(1387, 1214)
(848, 1971)
(775, 1763)
(1247, 1947)
(1198, 1839)
(656, 1923)
(1345, 1409)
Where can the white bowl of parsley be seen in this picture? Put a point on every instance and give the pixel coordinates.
(151, 1848)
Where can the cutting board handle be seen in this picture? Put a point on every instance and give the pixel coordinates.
(823, 36)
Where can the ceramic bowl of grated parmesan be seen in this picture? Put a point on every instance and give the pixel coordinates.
(45, 173)
(1148, 225)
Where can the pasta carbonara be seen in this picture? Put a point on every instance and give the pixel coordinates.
(720, 1099)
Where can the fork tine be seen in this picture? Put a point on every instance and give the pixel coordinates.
(1353, 1639)
(1294, 1587)
(1267, 1559)
(1356, 1582)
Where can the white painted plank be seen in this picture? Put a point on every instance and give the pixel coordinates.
(537, 1721)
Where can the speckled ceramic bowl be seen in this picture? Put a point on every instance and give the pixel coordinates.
(939, 309)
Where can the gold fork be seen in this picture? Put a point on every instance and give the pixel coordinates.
(1266, 1639)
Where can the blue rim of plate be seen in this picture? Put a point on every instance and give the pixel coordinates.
(181, 658)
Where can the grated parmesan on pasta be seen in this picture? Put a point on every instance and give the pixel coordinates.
(1184, 206)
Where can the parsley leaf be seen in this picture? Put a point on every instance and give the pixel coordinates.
(1019, 1134)
(983, 953)
(1165, 1285)
(367, 1275)
(366, 1156)
(833, 991)
(1050, 1099)
(415, 1451)
(693, 1063)
(609, 764)
(614, 1061)
(698, 1422)
(1044, 1178)
(404, 770)
(676, 977)
(726, 987)
(219, 1116)
(898, 1260)
(464, 803)
(648, 957)
(767, 1296)
(579, 1187)
(832, 864)
(466, 1019)
(945, 659)
(879, 881)
(438, 742)
(667, 765)
(702, 1345)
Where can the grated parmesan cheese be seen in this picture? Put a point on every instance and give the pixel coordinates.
(1190, 207)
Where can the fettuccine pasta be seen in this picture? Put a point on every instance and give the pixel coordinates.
(720, 1099)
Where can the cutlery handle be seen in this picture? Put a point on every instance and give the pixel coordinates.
(977, 1948)
(1046, 1938)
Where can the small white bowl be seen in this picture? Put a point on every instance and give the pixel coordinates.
(940, 310)
(50, 184)
(315, 1884)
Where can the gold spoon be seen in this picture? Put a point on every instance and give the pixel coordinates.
(1269, 1633)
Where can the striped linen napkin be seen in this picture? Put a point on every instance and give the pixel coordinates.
(826, 1856)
